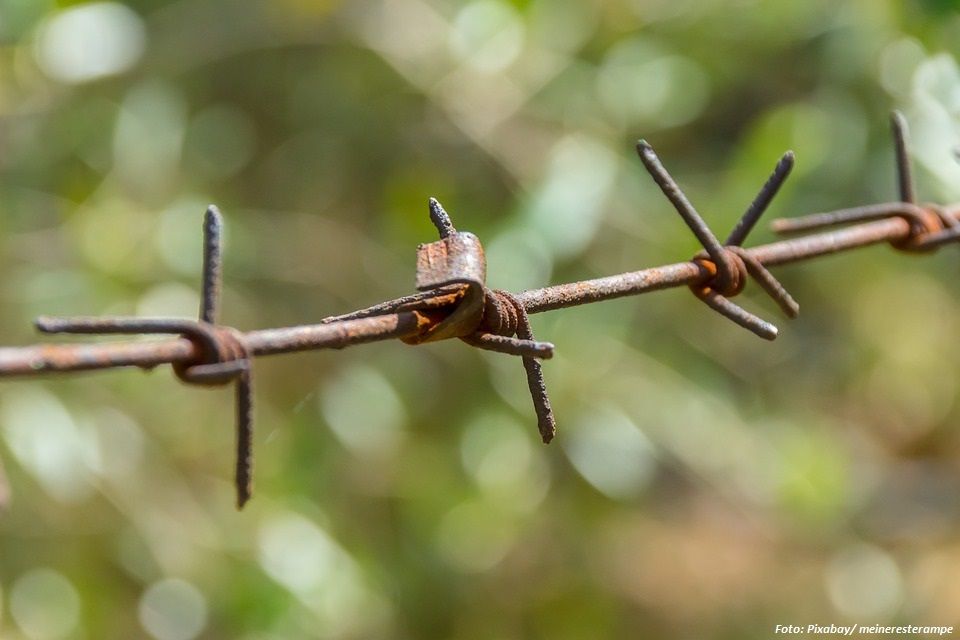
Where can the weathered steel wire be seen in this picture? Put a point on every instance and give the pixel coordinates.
(455, 302)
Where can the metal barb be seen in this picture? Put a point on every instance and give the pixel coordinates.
(546, 423)
(212, 265)
(243, 468)
(224, 357)
(737, 314)
(510, 345)
(770, 284)
(675, 195)
(759, 205)
(929, 226)
(905, 188)
(440, 218)
(731, 264)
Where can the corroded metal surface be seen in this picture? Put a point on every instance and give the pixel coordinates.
(454, 301)
(456, 259)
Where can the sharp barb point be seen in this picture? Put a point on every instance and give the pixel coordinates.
(899, 129)
(46, 324)
(679, 200)
(212, 270)
(243, 472)
(511, 346)
(762, 201)
(441, 219)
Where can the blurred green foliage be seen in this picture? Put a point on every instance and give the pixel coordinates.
(704, 484)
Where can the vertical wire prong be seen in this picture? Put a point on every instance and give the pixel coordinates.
(243, 474)
(212, 265)
(546, 422)
(762, 201)
(239, 369)
(898, 126)
(441, 219)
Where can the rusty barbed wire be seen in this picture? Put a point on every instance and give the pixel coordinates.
(453, 300)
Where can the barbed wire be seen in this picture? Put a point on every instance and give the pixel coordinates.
(453, 300)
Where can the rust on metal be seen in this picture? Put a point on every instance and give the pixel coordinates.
(457, 258)
(453, 300)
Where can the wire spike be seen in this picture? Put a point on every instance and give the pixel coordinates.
(900, 131)
(769, 283)
(48, 324)
(441, 219)
(678, 199)
(759, 205)
(212, 265)
(730, 310)
(243, 470)
(510, 345)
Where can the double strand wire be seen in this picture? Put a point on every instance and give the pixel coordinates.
(205, 352)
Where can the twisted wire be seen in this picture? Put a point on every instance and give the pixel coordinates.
(454, 300)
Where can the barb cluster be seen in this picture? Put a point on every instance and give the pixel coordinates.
(453, 300)
(223, 356)
(729, 262)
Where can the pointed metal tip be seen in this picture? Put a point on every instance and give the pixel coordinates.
(898, 122)
(213, 219)
(763, 199)
(544, 350)
(781, 172)
(651, 161)
(440, 218)
(900, 132)
(780, 225)
(46, 324)
(436, 209)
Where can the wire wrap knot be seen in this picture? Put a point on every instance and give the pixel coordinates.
(224, 355)
(728, 281)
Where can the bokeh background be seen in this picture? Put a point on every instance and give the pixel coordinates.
(704, 483)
